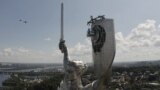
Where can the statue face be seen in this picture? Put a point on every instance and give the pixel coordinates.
(80, 67)
(77, 68)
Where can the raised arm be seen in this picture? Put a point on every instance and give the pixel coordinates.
(64, 50)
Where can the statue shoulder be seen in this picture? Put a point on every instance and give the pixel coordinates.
(70, 66)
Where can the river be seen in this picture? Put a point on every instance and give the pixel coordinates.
(3, 77)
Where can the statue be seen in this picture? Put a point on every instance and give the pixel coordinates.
(73, 70)
(103, 44)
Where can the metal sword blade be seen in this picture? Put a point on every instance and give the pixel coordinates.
(62, 35)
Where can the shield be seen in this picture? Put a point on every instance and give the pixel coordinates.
(103, 44)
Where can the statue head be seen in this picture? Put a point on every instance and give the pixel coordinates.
(79, 67)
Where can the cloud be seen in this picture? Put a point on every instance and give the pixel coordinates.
(47, 39)
(144, 35)
(80, 51)
(142, 43)
(23, 50)
(23, 55)
(7, 52)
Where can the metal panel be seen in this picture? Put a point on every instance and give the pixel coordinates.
(104, 57)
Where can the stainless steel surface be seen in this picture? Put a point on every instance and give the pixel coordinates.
(104, 58)
(62, 36)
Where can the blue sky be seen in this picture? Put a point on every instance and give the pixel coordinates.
(41, 33)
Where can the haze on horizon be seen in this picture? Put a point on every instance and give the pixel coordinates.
(137, 26)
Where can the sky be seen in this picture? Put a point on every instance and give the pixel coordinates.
(137, 29)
